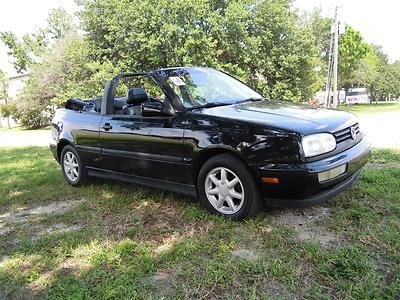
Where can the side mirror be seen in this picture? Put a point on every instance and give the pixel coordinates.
(152, 109)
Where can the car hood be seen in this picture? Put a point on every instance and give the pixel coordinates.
(300, 118)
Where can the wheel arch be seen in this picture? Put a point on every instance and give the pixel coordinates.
(60, 146)
(210, 152)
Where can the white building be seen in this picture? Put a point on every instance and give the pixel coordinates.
(15, 85)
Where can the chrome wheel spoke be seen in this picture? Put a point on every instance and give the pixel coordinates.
(223, 176)
(236, 195)
(214, 191)
(233, 182)
(220, 202)
(224, 190)
(215, 180)
(230, 203)
(71, 166)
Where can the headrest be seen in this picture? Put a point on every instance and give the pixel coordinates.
(136, 96)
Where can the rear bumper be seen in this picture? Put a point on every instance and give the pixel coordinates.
(299, 185)
(53, 149)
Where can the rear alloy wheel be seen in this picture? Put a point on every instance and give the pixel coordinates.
(227, 187)
(72, 167)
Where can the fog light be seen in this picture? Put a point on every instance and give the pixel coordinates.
(332, 173)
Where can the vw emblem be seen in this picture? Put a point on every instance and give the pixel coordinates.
(353, 132)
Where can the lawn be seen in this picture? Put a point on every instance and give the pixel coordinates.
(113, 240)
(20, 128)
(372, 108)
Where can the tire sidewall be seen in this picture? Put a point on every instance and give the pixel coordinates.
(252, 196)
(82, 170)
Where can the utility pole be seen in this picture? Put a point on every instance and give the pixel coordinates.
(335, 60)
(333, 65)
(329, 80)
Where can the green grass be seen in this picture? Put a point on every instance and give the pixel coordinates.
(112, 240)
(19, 128)
(14, 128)
(371, 108)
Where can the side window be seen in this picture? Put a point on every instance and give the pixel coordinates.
(121, 103)
(153, 90)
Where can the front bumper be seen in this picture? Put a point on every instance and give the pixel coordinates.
(299, 185)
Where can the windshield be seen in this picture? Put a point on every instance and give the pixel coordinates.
(197, 87)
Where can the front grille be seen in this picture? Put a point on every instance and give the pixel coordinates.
(345, 134)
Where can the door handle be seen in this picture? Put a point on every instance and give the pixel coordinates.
(106, 127)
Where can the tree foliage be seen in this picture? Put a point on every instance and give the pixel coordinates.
(262, 42)
(6, 109)
(25, 51)
(320, 28)
(266, 43)
(352, 50)
(65, 72)
(32, 47)
(60, 23)
(3, 86)
(386, 84)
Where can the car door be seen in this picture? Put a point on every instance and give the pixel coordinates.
(145, 146)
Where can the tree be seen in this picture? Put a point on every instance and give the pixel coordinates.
(352, 50)
(60, 23)
(387, 83)
(367, 70)
(261, 42)
(32, 47)
(4, 107)
(320, 28)
(20, 51)
(3, 86)
(66, 71)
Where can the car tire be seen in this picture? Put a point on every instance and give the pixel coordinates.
(227, 187)
(73, 169)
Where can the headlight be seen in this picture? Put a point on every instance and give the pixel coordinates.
(316, 144)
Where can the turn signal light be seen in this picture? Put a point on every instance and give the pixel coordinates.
(270, 180)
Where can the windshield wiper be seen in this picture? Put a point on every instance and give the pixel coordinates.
(252, 99)
(209, 105)
(215, 104)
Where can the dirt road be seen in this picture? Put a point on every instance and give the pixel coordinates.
(19, 138)
(383, 129)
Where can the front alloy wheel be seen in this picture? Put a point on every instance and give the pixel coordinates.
(224, 190)
(227, 187)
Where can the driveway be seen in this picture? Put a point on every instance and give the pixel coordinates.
(383, 129)
(19, 138)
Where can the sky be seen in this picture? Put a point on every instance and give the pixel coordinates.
(24, 16)
(378, 21)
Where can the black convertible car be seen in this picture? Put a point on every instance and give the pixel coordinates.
(203, 133)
